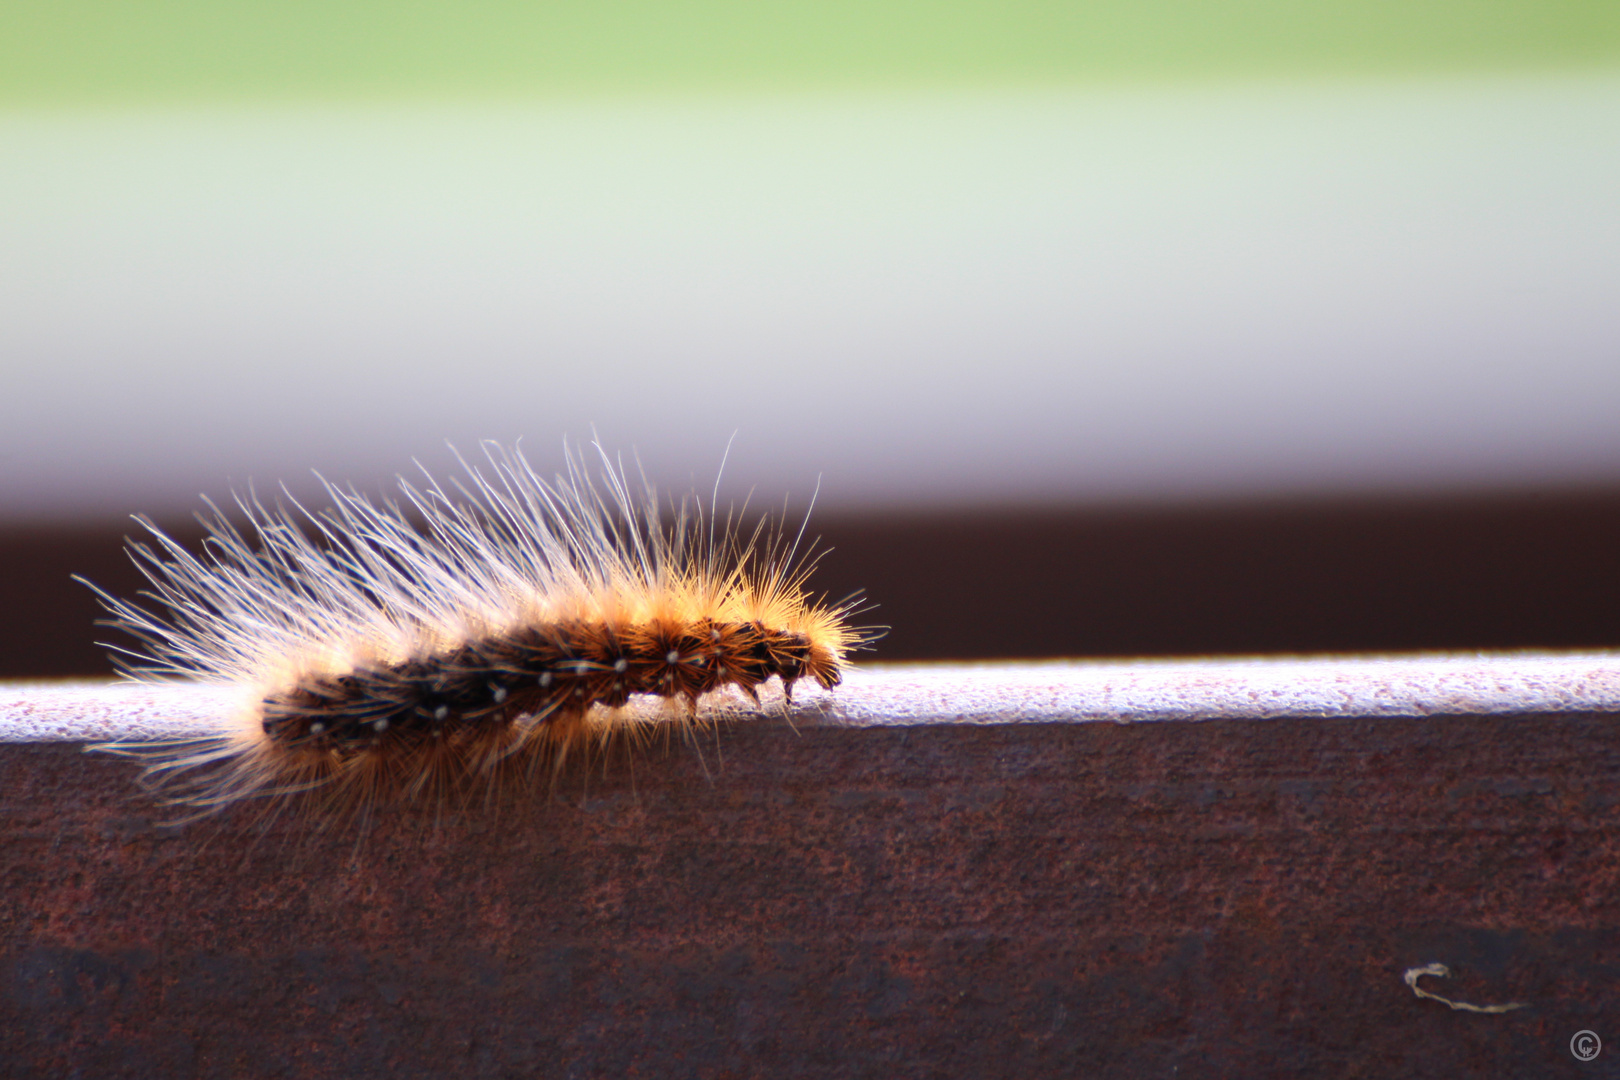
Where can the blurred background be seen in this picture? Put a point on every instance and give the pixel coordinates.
(1111, 327)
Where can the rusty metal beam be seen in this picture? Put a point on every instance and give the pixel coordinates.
(944, 891)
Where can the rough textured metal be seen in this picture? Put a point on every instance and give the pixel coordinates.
(1046, 692)
(1240, 897)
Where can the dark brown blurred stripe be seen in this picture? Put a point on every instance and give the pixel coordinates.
(1529, 571)
(1485, 572)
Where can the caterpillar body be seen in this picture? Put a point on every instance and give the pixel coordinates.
(430, 648)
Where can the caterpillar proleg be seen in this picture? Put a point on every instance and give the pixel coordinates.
(429, 648)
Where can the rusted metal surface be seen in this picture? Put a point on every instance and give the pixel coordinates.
(1228, 898)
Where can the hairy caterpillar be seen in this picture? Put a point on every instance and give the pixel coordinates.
(503, 631)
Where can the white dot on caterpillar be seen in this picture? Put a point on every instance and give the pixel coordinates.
(544, 679)
(316, 728)
(380, 726)
(672, 657)
(498, 692)
(441, 712)
(621, 665)
(579, 691)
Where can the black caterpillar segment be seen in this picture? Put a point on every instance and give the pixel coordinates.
(537, 675)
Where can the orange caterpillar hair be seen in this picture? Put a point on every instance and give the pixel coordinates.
(379, 659)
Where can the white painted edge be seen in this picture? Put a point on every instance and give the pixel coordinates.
(989, 693)
(1232, 688)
